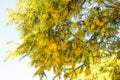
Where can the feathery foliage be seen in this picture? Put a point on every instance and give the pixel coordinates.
(76, 38)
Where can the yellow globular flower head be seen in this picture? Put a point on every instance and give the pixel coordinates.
(53, 47)
(98, 22)
(92, 26)
(87, 23)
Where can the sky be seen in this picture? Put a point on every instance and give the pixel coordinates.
(11, 69)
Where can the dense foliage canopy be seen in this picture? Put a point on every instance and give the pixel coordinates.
(78, 39)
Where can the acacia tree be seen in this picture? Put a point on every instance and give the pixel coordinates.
(70, 37)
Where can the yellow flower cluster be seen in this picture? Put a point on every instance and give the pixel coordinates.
(98, 22)
(87, 22)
